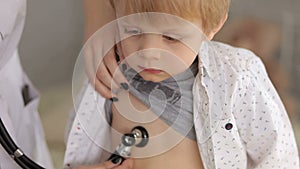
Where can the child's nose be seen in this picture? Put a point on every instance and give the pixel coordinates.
(152, 47)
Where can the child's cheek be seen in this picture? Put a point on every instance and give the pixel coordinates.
(130, 46)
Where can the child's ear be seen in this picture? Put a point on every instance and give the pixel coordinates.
(216, 30)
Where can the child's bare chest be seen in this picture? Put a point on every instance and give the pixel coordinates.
(166, 148)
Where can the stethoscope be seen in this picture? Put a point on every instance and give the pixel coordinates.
(14, 151)
(138, 137)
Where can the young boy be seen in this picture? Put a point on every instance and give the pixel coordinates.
(204, 104)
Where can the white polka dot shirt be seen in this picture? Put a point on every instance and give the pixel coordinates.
(239, 119)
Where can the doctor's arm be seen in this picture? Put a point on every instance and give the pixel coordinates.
(268, 135)
(103, 74)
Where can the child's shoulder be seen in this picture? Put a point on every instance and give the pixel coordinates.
(236, 57)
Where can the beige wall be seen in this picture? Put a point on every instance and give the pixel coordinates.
(49, 47)
(51, 40)
(287, 15)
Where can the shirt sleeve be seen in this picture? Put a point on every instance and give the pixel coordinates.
(263, 122)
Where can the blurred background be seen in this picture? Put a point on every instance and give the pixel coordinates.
(53, 36)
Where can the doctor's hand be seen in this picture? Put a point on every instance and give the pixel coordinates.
(101, 66)
(104, 73)
(127, 164)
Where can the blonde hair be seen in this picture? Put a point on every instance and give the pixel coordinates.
(209, 13)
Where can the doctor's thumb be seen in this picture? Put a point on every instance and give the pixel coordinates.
(127, 164)
(116, 163)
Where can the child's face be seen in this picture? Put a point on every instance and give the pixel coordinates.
(158, 48)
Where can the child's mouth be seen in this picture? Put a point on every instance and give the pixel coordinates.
(150, 70)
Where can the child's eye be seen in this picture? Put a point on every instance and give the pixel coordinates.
(132, 31)
(170, 38)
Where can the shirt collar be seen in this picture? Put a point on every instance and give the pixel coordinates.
(208, 54)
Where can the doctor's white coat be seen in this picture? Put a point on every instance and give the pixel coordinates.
(22, 121)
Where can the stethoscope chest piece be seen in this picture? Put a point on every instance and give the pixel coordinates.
(138, 137)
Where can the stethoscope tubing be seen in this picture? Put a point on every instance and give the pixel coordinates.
(26, 163)
(12, 149)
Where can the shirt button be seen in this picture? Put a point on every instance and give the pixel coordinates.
(228, 126)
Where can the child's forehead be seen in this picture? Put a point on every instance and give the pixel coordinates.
(154, 21)
(164, 24)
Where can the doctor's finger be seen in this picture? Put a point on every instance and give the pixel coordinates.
(103, 90)
(104, 76)
(91, 73)
(89, 63)
(111, 63)
(100, 76)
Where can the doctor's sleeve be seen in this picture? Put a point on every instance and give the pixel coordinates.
(267, 133)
